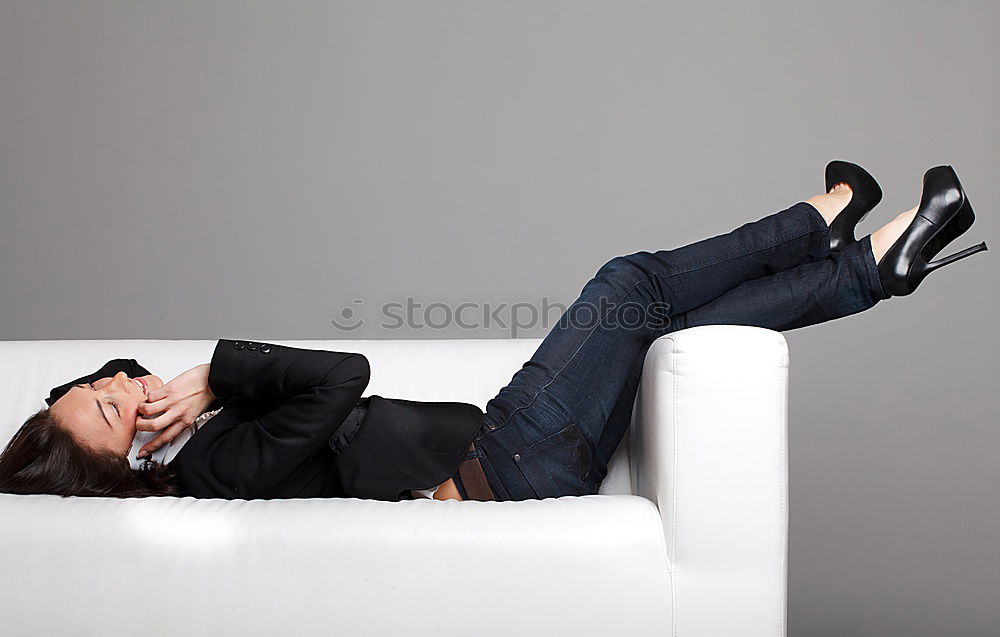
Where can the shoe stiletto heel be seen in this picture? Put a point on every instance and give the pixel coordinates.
(865, 195)
(943, 215)
(958, 256)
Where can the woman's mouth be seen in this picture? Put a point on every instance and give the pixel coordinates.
(142, 385)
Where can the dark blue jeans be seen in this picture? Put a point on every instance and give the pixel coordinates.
(552, 430)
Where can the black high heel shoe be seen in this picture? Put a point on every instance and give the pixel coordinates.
(866, 194)
(944, 214)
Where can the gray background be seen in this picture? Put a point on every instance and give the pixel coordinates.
(234, 169)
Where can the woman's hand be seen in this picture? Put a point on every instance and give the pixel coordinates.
(174, 407)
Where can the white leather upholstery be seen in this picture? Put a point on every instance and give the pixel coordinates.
(689, 539)
(709, 444)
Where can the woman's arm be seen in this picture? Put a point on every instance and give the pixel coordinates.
(297, 398)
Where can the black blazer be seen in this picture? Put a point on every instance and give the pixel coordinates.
(281, 432)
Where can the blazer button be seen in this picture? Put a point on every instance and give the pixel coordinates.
(239, 345)
(265, 349)
(251, 346)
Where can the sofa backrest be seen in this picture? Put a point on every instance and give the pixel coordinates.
(466, 370)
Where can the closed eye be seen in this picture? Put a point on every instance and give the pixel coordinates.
(110, 402)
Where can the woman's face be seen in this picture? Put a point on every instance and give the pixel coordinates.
(102, 414)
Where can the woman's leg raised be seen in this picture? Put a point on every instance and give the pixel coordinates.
(844, 283)
(541, 432)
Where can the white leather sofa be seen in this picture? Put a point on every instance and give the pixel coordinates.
(687, 538)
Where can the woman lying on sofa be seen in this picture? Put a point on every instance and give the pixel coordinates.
(269, 421)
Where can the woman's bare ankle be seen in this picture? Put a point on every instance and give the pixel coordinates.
(884, 237)
(832, 203)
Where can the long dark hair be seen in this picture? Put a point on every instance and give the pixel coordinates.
(43, 457)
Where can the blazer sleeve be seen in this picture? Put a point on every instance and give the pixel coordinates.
(112, 367)
(312, 393)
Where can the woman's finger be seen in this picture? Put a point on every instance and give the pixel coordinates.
(151, 409)
(156, 423)
(149, 412)
(165, 438)
(157, 394)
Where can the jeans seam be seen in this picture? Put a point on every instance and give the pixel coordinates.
(731, 258)
(633, 289)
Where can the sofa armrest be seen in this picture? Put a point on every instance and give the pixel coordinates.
(708, 446)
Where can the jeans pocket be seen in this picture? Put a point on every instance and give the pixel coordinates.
(558, 464)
